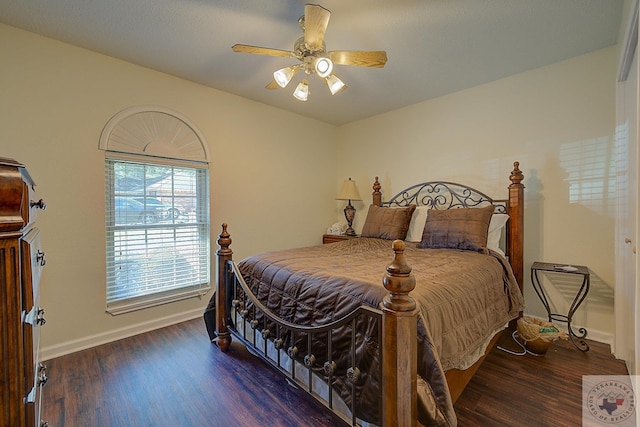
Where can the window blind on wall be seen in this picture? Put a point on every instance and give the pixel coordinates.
(157, 225)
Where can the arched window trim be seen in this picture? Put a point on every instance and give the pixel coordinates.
(135, 130)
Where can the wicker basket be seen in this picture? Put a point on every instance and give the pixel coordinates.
(538, 334)
(537, 346)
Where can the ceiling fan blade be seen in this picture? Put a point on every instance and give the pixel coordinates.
(273, 85)
(244, 48)
(316, 19)
(362, 58)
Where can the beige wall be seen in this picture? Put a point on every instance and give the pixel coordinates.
(55, 101)
(57, 98)
(558, 121)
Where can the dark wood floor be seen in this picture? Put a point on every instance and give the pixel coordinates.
(175, 377)
(531, 390)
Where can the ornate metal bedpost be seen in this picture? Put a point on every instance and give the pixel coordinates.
(224, 254)
(377, 195)
(400, 351)
(515, 209)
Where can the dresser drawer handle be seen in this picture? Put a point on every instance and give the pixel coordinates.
(40, 258)
(44, 423)
(40, 320)
(40, 204)
(42, 375)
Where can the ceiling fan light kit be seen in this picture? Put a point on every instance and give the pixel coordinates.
(310, 50)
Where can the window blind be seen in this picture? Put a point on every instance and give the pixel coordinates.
(157, 225)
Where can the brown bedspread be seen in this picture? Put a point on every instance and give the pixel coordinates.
(464, 299)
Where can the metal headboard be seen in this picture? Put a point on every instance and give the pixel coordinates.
(444, 195)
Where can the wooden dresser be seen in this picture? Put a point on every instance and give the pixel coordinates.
(21, 262)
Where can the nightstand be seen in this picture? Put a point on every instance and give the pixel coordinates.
(333, 238)
(538, 267)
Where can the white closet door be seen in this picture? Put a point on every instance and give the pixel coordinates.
(626, 238)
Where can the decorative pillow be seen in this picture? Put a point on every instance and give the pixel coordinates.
(387, 223)
(464, 228)
(497, 223)
(416, 226)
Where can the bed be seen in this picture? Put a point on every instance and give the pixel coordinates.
(386, 328)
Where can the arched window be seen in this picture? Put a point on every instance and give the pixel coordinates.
(157, 209)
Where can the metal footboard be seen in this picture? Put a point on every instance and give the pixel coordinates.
(306, 355)
(390, 338)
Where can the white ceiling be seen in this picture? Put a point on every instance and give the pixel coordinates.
(434, 47)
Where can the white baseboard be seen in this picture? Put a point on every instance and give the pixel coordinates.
(592, 334)
(57, 350)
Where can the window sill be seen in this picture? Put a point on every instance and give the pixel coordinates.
(147, 301)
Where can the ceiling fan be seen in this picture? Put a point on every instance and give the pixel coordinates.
(310, 50)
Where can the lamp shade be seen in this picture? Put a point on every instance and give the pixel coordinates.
(302, 91)
(323, 66)
(335, 84)
(284, 75)
(349, 191)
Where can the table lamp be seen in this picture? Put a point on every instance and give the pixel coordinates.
(349, 192)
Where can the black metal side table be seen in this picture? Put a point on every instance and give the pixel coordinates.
(580, 296)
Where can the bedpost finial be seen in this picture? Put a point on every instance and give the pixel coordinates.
(516, 176)
(376, 186)
(224, 241)
(398, 261)
(399, 281)
(377, 195)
